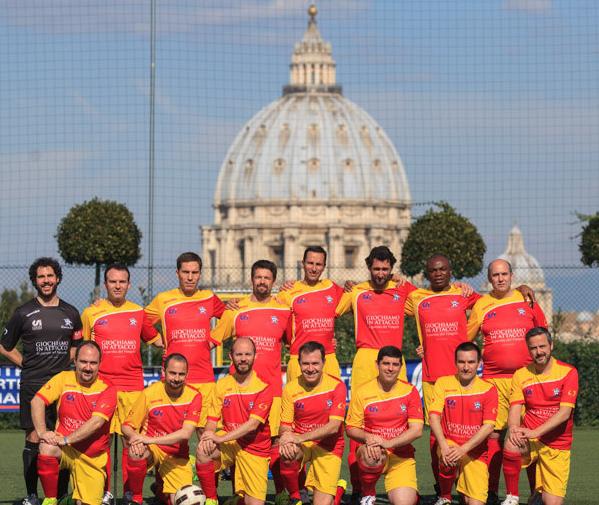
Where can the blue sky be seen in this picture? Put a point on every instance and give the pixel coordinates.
(493, 106)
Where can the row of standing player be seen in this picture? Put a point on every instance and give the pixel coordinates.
(378, 307)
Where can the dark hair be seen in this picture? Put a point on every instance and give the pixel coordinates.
(389, 351)
(267, 265)
(467, 346)
(44, 261)
(88, 343)
(175, 357)
(244, 338)
(315, 249)
(309, 347)
(119, 267)
(438, 255)
(381, 253)
(187, 257)
(509, 265)
(536, 331)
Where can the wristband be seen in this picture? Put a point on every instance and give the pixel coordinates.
(65, 440)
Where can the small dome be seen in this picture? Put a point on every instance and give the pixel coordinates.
(525, 267)
(584, 317)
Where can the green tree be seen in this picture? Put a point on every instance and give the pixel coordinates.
(589, 240)
(444, 231)
(99, 232)
(10, 299)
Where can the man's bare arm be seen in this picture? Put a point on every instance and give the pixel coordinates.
(13, 356)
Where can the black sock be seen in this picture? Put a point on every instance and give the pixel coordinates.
(30, 453)
(63, 482)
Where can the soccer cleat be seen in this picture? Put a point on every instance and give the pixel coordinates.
(107, 500)
(282, 498)
(211, 501)
(31, 500)
(368, 500)
(50, 501)
(510, 499)
(442, 501)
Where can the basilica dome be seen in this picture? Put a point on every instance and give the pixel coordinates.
(525, 267)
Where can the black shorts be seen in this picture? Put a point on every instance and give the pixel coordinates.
(26, 394)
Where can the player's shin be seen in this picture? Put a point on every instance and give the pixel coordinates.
(48, 468)
(434, 457)
(30, 453)
(289, 473)
(124, 460)
(275, 468)
(531, 473)
(495, 456)
(136, 469)
(354, 471)
(512, 462)
(369, 475)
(447, 476)
(206, 473)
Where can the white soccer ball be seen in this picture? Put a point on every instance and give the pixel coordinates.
(190, 495)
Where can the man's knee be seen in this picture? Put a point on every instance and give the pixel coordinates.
(49, 450)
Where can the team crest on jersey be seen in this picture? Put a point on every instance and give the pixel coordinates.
(157, 412)
(329, 404)
(67, 324)
(455, 304)
(70, 397)
(251, 405)
(521, 312)
(93, 405)
(403, 408)
(367, 296)
(172, 311)
(36, 324)
(202, 309)
(300, 406)
(528, 391)
(426, 305)
(244, 317)
(227, 402)
(373, 408)
(329, 299)
(102, 322)
(274, 319)
(451, 403)
(491, 315)
(301, 300)
(396, 297)
(132, 321)
(477, 406)
(557, 391)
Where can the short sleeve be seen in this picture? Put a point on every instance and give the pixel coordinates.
(472, 299)
(86, 330)
(338, 406)
(138, 412)
(415, 414)
(194, 414)
(106, 404)
(490, 404)
(218, 307)
(287, 407)
(570, 389)
(149, 334)
(516, 396)
(214, 408)
(224, 329)
(50, 392)
(262, 405)
(410, 307)
(152, 312)
(474, 322)
(438, 398)
(12, 332)
(345, 304)
(355, 413)
(539, 316)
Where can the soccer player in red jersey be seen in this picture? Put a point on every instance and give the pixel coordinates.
(158, 429)
(385, 417)
(547, 389)
(462, 416)
(313, 410)
(313, 302)
(503, 317)
(241, 405)
(80, 441)
(116, 325)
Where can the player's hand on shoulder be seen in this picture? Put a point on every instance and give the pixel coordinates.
(348, 286)
(466, 288)
(96, 302)
(287, 285)
(232, 304)
(420, 351)
(398, 279)
(528, 293)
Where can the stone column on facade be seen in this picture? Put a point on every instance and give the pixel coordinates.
(291, 253)
(336, 259)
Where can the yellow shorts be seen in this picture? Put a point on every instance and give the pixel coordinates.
(400, 472)
(274, 417)
(251, 471)
(473, 477)
(88, 474)
(364, 368)
(331, 366)
(504, 391)
(124, 402)
(206, 389)
(325, 468)
(427, 397)
(553, 468)
(175, 472)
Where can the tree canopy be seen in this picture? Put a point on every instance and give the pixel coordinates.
(589, 240)
(442, 230)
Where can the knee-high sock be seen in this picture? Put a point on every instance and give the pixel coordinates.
(206, 473)
(30, 452)
(302, 478)
(447, 476)
(48, 468)
(108, 471)
(434, 457)
(369, 475)
(289, 473)
(531, 473)
(339, 494)
(136, 469)
(512, 461)
(124, 459)
(275, 468)
(354, 470)
(495, 457)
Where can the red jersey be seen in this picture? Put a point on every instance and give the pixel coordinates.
(463, 411)
(265, 324)
(542, 395)
(77, 404)
(442, 325)
(118, 332)
(160, 414)
(378, 317)
(312, 313)
(503, 324)
(186, 328)
(386, 413)
(234, 404)
(307, 409)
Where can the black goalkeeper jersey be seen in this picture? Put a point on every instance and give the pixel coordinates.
(47, 334)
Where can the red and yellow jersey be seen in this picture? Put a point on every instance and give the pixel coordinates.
(234, 404)
(312, 313)
(442, 325)
(77, 404)
(264, 323)
(118, 332)
(159, 414)
(386, 413)
(503, 324)
(185, 324)
(307, 409)
(464, 410)
(542, 395)
(378, 317)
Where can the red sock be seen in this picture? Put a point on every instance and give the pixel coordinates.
(339, 494)
(354, 470)
(369, 475)
(47, 470)
(531, 473)
(275, 468)
(434, 457)
(205, 473)
(136, 469)
(447, 476)
(289, 473)
(512, 462)
(494, 458)
(124, 459)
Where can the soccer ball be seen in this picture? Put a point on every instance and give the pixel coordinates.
(190, 495)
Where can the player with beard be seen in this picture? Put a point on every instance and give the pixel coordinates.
(241, 405)
(48, 328)
(158, 430)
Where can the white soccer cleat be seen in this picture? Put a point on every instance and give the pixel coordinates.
(368, 500)
(30, 500)
(442, 501)
(511, 499)
(107, 500)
